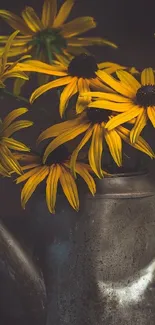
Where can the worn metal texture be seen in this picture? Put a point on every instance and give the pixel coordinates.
(24, 293)
(100, 266)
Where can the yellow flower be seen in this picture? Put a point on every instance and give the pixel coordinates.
(77, 75)
(135, 100)
(56, 169)
(50, 34)
(8, 162)
(9, 69)
(92, 123)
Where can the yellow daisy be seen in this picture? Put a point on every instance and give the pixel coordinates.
(9, 163)
(134, 100)
(9, 69)
(50, 34)
(92, 123)
(54, 170)
(77, 75)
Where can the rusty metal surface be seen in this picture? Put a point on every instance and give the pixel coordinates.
(100, 265)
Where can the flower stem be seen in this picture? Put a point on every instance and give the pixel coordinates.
(50, 60)
(48, 52)
(16, 97)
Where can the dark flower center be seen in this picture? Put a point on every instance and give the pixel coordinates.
(83, 66)
(96, 115)
(49, 38)
(146, 96)
(58, 156)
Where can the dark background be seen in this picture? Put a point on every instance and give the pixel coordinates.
(131, 25)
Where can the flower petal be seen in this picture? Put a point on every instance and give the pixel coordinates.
(111, 97)
(14, 144)
(141, 144)
(32, 20)
(90, 41)
(12, 65)
(97, 84)
(69, 188)
(57, 129)
(95, 150)
(3, 39)
(32, 184)
(151, 114)
(122, 118)
(70, 90)
(115, 146)
(49, 12)
(42, 67)
(110, 66)
(50, 85)
(51, 187)
(12, 116)
(63, 60)
(115, 84)
(4, 172)
(147, 77)
(57, 70)
(6, 50)
(64, 137)
(105, 104)
(28, 174)
(14, 74)
(82, 170)
(26, 167)
(16, 126)
(75, 153)
(28, 158)
(140, 123)
(131, 82)
(18, 50)
(15, 22)
(8, 161)
(63, 13)
(18, 41)
(78, 26)
(83, 100)
(74, 50)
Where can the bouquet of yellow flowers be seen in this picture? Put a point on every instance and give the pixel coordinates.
(102, 104)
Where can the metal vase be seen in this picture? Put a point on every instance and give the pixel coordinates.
(100, 262)
(23, 293)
